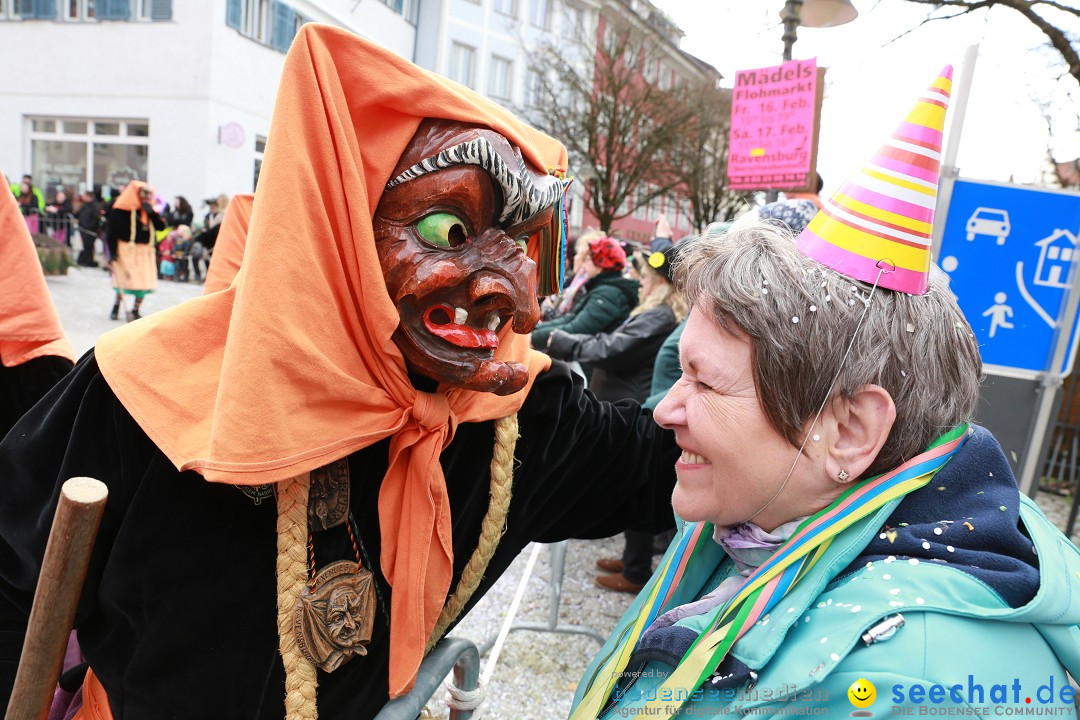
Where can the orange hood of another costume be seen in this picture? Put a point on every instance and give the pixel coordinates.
(293, 366)
(129, 199)
(29, 325)
(229, 248)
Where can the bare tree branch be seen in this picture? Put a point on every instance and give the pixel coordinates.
(1057, 37)
(621, 127)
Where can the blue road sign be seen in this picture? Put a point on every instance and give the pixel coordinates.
(1009, 251)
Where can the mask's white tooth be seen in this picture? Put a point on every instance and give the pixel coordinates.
(493, 323)
(461, 316)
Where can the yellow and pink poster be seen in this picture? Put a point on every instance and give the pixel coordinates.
(774, 127)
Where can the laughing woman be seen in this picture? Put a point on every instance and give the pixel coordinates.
(848, 538)
(817, 547)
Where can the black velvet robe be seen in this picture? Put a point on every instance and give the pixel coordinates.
(23, 385)
(177, 616)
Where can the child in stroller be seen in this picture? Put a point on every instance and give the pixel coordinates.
(166, 266)
(181, 252)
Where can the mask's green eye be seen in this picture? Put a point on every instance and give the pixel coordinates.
(443, 230)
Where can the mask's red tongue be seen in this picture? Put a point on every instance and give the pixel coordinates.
(439, 321)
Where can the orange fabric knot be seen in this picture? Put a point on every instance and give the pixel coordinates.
(431, 411)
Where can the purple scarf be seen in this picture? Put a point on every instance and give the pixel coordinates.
(749, 547)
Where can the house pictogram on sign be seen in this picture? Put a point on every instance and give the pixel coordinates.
(1056, 253)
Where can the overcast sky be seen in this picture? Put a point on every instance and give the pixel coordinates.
(873, 78)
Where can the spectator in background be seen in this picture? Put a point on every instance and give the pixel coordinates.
(622, 363)
(34, 190)
(28, 205)
(794, 214)
(216, 212)
(559, 305)
(608, 299)
(662, 235)
(130, 233)
(89, 218)
(58, 215)
(181, 213)
(181, 253)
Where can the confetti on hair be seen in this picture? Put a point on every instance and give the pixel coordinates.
(813, 308)
(795, 320)
(969, 526)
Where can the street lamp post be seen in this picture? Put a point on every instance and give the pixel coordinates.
(790, 16)
(815, 14)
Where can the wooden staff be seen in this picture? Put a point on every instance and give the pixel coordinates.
(63, 570)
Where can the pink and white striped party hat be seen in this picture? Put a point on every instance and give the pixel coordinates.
(883, 216)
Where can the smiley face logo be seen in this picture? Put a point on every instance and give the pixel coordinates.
(862, 693)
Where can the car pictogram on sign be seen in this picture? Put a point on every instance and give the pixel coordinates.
(988, 221)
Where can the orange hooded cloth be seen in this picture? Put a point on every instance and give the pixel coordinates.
(293, 366)
(129, 199)
(29, 325)
(229, 248)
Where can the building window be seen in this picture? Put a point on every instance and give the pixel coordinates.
(506, 7)
(462, 63)
(83, 10)
(260, 148)
(256, 20)
(572, 20)
(500, 74)
(665, 76)
(539, 14)
(650, 69)
(405, 8)
(27, 10)
(270, 22)
(79, 10)
(641, 202)
(532, 89)
(77, 154)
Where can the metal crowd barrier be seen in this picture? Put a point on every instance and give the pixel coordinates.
(452, 653)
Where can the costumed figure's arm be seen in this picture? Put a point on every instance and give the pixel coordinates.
(118, 226)
(157, 220)
(589, 468)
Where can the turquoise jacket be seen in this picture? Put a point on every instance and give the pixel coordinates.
(940, 635)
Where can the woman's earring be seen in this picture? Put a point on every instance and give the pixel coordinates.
(842, 476)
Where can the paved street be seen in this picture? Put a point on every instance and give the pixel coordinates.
(537, 671)
(84, 298)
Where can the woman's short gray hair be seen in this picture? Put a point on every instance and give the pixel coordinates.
(800, 317)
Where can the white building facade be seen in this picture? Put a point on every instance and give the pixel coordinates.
(178, 93)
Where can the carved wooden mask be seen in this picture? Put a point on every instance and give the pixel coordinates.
(450, 231)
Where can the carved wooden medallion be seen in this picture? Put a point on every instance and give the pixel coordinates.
(328, 497)
(333, 622)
